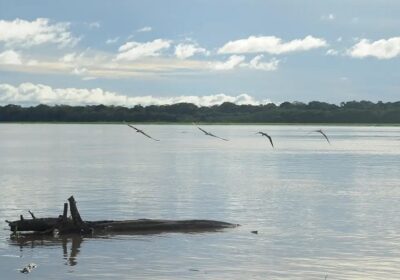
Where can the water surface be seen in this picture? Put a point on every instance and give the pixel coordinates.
(319, 209)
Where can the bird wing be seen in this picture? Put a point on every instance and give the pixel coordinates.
(218, 137)
(142, 132)
(145, 134)
(270, 140)
(131, 126)
(213, 135)
(210, 134)
(266, 135)
(207, 133)
(326, 137)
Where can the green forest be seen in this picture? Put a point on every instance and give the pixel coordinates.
(287, 112)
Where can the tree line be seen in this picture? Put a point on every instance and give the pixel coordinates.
(286, 112)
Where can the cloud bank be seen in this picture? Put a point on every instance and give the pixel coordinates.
(183, 51)
(10, 57)
(236, 61)
(32, 94)
(256, 64)
(137, 50)
(23, 33)
(232, 62)
(271, 44)
(145, 29)
(112, 40)
(134, 58)
(381, 49)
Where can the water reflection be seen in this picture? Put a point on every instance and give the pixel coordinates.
(71, 243)
(75, 249)
(33, 241)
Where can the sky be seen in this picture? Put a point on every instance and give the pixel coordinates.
(204, 52)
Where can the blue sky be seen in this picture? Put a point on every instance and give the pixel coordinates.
(205, 52)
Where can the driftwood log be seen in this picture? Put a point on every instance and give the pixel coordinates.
(75, 224)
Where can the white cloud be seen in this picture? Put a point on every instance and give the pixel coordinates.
(28, 93)
(332, 52)
(272, 45)
(32, 62)
(136, 50)
(145, 29)
(256, 64)
(112, 40)
(32, 94)
(381, 49)
(104, 65)
(78, 64)
(217, 99)
(329, 17)
(25, 33)
(88, 78)
(232, 62)
(10, 57)
(69, 58)
(128, 63)
(183, 51)
(93, 25)
(79, 71)
(236, 61)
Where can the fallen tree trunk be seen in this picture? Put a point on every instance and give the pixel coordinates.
(40, 224)
(75, 224)
(143, 225)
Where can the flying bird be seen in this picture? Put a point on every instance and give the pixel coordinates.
(323, 134)
(210, 134)
(266, 135)
(141, 131)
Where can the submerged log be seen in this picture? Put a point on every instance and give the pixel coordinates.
(65, 213)
(76, 217)
(38, 224)
(78, 225)
(32, 215)
(147, 225)
(75, 224)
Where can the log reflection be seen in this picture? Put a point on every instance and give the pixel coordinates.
(73, 242)
(75, 249)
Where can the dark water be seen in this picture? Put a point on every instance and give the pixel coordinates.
(319, 209)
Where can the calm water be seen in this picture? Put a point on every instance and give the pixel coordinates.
(319, 209)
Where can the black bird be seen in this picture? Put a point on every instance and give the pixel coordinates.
(141, 131)
(266, 135)
(210, 134)
(323, 134)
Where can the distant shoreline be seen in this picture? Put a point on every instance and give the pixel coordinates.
(211, 123)
(295, 113)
